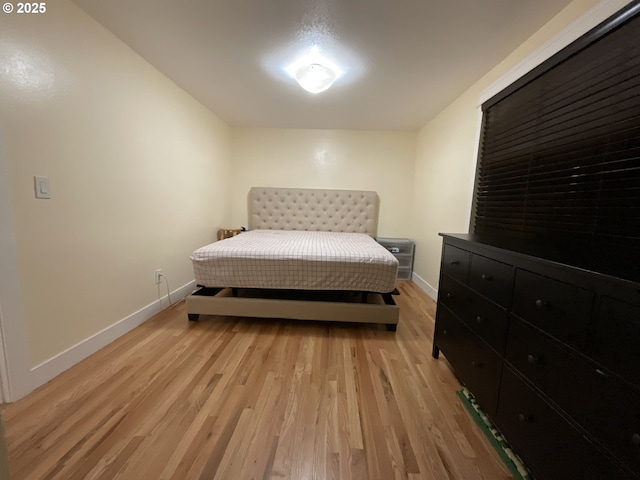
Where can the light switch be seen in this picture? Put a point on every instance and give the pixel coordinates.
(41, 184)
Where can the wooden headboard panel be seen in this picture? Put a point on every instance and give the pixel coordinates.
(353, 211)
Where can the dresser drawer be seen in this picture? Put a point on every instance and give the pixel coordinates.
(617, 423)
(475, 364)
(560, 309)
(552, 368)
(575, 384)
(455, 263)
(614, 340)
(456, 296)
(485, 318)
(551, 447)
(492, 279)
(596, 400)
(489, 321)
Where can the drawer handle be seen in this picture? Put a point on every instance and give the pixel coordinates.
(479, 319)
(532, 359)
(445, 332)
(523, 418)
(635, 439)
(486, 277)
(541, 304)
(476, 364)
(454, 262)
(448, 295)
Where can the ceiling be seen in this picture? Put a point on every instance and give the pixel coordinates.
(402, 61)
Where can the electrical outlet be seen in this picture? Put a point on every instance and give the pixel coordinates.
(158, 276)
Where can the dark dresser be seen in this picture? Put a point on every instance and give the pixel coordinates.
(546, 336)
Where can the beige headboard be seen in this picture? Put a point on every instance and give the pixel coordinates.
(313, 209)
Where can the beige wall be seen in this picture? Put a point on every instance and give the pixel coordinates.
(446, 152)
(139, 174)
(338, 159)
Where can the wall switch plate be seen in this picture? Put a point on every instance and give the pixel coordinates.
(42, 187)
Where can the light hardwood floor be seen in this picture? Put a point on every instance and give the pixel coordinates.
(230, 398)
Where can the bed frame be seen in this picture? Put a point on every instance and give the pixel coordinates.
(304, 209)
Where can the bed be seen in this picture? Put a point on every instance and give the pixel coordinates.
(309, 254)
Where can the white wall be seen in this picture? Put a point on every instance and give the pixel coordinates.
(139, 176)
(447, 145)
(336, 159)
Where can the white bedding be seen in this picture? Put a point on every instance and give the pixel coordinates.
(306, 260)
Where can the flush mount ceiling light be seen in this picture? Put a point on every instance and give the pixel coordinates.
(314, 70)
(315, 77)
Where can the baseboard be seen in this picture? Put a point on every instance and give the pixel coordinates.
(49, 369)
(424, 285)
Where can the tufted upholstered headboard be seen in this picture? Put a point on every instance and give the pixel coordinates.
(353, 211)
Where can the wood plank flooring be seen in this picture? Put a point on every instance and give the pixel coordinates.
(228, 398)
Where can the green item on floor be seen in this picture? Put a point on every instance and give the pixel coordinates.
(510, 459)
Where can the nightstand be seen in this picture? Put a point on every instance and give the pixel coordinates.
(402, 249)
(228, 233)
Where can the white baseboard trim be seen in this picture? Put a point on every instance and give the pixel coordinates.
(424, 285)
(53, 367)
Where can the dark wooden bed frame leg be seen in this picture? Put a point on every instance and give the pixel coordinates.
(391, 327)
(193, 317)
(435, 351)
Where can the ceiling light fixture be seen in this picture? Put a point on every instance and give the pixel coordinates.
(315, 77)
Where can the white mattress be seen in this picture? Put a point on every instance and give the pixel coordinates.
(301, 260)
